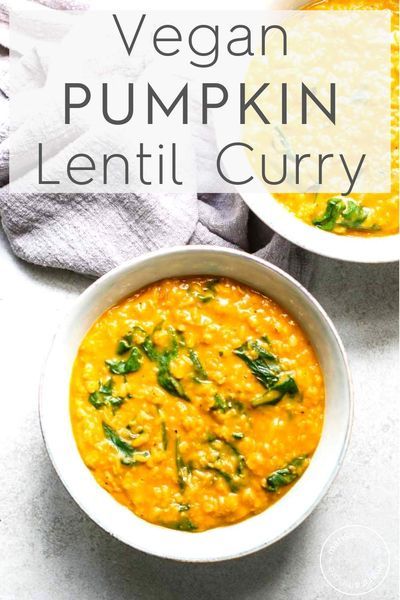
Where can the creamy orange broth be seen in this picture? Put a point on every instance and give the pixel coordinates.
(204, 452)
(383, 209)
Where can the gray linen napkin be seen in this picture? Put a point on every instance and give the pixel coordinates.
(91, 234)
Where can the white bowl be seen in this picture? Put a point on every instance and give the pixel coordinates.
(224, 542)
(344, 247)
(274, 214)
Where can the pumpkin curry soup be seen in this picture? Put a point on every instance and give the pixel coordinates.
(196, 402)
(361, 214)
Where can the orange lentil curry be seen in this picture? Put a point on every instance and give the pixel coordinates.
(196, 402)
(361, 214)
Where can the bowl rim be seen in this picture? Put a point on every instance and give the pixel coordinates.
(349, 248)
(176, 250)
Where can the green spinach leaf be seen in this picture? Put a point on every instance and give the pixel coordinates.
(286, 475)
(240, 459)
(163, 360)
(125, 344)
(209, 291)
(164, 435)
(262, 363)
(116, 440)
(345, 213)
(164, 430)
(183, 469)
(130, 456)
(130, 365)
(331, 215)
(353, 214)
(200, 374)
(287, 385)
(232, 484)
(266, 368)
(223, 404)
(167, 381)
(184, 524)
(104, 396)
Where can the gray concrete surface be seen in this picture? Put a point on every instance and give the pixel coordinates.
(51, 551)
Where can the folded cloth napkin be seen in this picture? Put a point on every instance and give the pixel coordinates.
(90, 233)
